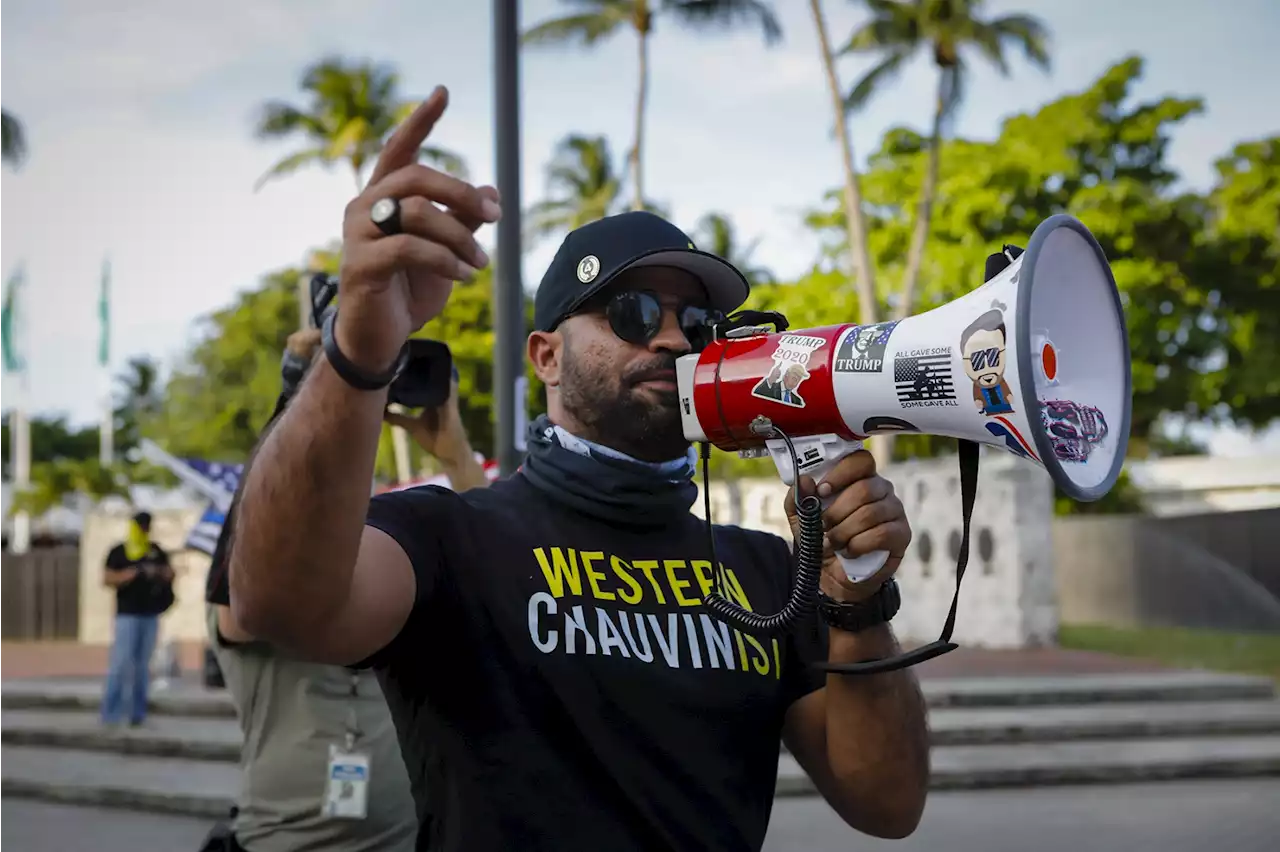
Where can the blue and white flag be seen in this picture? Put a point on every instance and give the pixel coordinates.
(225, 478)
(204, 535)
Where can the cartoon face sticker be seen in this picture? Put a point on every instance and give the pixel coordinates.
(789, 371)
(982, 346)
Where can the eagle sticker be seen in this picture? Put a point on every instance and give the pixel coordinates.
(790, 369)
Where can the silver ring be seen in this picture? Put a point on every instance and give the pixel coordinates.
(386, 215)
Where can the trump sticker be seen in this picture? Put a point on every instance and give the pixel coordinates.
(790, 370)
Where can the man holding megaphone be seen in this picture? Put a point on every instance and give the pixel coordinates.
(548, 637)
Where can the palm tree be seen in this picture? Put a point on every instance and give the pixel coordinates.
(716, 235)
(14, 139)
(855, 222)
(897, 31)
(583, 183)
(351, 108)
(141, 399)
(604, 18)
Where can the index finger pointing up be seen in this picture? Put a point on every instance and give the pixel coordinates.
(402, 148)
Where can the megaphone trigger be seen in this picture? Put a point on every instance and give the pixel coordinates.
(818, 456)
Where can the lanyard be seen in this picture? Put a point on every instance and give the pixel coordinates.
(353, 721)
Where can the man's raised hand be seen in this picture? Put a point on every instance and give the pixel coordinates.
(390, 285)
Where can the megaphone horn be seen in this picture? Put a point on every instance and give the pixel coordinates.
(1034, 361)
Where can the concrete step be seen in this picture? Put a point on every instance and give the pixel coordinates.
(1097, 762)
(190, 737)
(202, 788)
(206, 738)
(1095, 689)
(189, 699)
(205, 788)
(1043, 724)
(181, 698)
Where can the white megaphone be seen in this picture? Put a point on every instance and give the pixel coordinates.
(1035, 361)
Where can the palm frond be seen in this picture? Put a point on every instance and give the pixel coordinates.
(726, 14)
(278, 119)
(881, 73)
(894, 27)
(1027, 32)
(14, 139)
(352, 138)
(584, 30)
(291, 164)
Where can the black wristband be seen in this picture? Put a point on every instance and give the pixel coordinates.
(878, 609)
(349, 372)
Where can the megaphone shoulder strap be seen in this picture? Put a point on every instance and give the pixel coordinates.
(968, 495)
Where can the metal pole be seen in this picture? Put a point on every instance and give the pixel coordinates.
(508, 297)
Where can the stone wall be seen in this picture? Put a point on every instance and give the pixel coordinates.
(104, 528)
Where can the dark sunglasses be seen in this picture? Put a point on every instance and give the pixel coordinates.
(636, 316)
(984, 358)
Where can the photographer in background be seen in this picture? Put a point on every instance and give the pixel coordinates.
(293, 712)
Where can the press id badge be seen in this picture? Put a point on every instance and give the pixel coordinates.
(348, 792)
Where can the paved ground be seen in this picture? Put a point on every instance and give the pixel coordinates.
(63, 659)
(1215, 816)
(1218, 816)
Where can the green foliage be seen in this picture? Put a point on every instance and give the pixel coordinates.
(351, 108)
(218, 400)
(52, 480)
(223, 394)
(1193, 315)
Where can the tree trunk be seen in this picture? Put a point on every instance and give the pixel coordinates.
(928, 191)
(642, 100)
(881, 446)
(859, 253)
(920, 234)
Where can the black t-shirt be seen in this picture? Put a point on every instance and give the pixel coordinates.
(559, 686)
(146, 593)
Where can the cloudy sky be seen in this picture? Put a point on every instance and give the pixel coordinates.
(139, 121)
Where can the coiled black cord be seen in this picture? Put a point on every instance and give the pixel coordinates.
(809, 545)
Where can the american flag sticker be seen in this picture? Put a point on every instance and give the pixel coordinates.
(923, 378)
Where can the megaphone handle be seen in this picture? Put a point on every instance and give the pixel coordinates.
(819, 454)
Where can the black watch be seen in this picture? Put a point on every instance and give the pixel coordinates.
(880, 608)
(350, 373)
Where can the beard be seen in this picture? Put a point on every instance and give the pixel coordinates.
(615, 411)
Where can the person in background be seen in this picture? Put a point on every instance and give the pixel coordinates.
(293, 711)
(139, 570)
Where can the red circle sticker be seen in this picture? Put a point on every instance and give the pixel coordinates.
(1049, 361)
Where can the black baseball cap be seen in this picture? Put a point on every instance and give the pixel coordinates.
(592, 256)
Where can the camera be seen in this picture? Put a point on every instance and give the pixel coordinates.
(428, 374)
